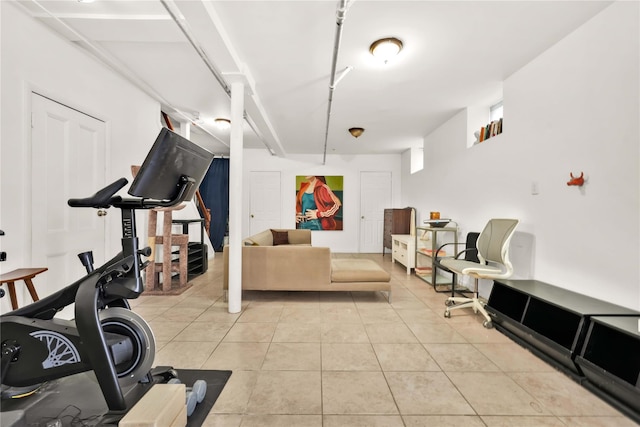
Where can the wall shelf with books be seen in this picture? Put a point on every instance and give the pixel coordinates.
(484, 123)
(489, 131)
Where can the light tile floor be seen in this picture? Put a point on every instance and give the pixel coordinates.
(329, 359)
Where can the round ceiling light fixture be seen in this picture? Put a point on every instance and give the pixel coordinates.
(385, 49)
(222, 124)
(356, 132)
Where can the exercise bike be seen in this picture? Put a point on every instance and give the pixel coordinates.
(106, 337)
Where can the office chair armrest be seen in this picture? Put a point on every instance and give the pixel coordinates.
(465, 251)
(447, 244)
(456, 256)
(438, 257)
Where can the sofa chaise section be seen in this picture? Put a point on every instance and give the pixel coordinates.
(283, 268)
(298, 266)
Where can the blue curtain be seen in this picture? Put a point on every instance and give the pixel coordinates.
(215, 194)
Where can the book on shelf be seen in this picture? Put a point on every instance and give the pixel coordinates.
(423, 271)
(490, 130)
(432, 252)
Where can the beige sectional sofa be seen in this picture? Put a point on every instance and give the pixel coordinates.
(296, 265)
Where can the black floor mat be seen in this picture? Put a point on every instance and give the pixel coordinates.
(216, 380)
(78, 401)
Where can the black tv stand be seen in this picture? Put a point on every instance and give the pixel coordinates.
(595, 342)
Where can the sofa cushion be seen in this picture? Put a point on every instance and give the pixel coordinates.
(264, 238)
(280, 237)
(299, 237)
(357, 270)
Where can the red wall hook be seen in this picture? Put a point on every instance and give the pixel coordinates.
(579, 180)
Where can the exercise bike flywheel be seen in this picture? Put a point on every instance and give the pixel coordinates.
(125, 322)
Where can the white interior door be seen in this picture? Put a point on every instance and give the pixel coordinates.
(68, 160)
(375, 197)
(265, 202)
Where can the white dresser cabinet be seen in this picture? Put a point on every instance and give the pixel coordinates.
(404, 250)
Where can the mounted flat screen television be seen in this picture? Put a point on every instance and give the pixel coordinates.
(170, 158)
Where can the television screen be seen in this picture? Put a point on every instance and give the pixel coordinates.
(170, 157)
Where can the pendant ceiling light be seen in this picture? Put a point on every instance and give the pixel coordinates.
(356, 132)
(386, 49)
(222, 124)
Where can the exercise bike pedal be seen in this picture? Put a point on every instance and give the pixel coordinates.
(165, 373)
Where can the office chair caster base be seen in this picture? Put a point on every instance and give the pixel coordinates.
(447, 314)
(449, 303)
(488, 324)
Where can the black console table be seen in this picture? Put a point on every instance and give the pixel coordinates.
(591, 340)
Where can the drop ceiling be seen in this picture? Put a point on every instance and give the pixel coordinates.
(185, 54)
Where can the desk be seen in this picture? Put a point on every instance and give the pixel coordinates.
(24, 274)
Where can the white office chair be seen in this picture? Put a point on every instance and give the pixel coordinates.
(493, 246)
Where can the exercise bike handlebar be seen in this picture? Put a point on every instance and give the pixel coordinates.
(106, 197)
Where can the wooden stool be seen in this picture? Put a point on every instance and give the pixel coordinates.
(25, 274)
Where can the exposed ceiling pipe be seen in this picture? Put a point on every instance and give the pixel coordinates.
(192, 40)
(341, 76)
(168, 5)
(340, 17)
(119, 68)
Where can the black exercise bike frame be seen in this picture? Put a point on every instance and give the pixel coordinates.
(109, 285)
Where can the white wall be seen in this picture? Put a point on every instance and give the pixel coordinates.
(35, 58)
(574, 108)
(349, 167)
